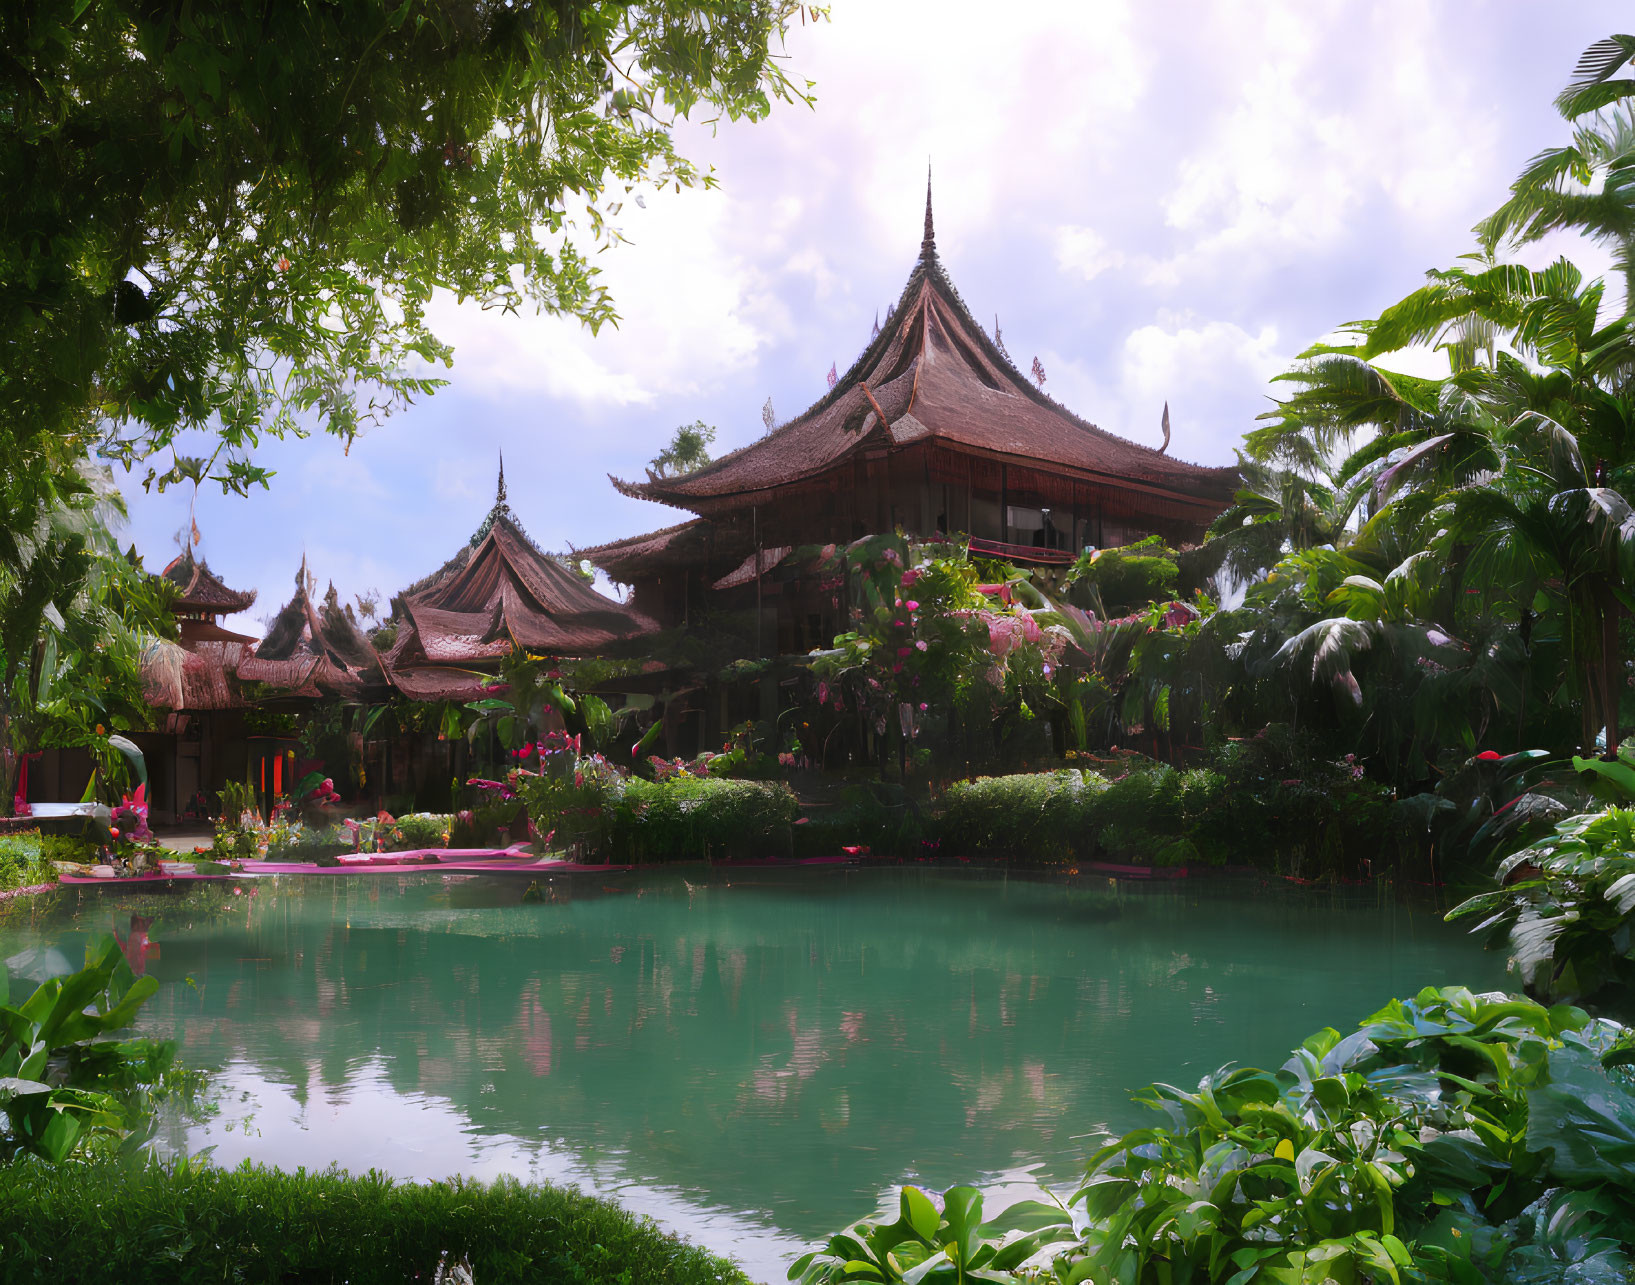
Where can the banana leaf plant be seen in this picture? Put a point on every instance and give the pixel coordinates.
(62, 1079)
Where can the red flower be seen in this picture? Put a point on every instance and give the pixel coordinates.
(1489, 756)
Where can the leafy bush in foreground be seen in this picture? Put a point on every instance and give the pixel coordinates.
(1452, 1137)
(1565, 907)
(90, 1222)
(61, 1080)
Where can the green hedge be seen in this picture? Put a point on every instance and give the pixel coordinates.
(1043, 815)
(1322, 823)
(682, 818)
(689, 818)
(103, 1222)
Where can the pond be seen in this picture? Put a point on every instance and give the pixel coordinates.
(754, 1057)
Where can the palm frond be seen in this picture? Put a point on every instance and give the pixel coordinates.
(1592, 86)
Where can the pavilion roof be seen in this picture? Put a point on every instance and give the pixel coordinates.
(314, 648)
(200, 589)
(199, 674)
(686, 544)
(933, 373)
(503, 591)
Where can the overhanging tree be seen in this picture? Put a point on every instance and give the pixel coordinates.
(231, 214)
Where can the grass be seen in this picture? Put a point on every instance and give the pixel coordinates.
(88, 1221)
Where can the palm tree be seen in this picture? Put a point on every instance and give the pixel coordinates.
(1587, 186)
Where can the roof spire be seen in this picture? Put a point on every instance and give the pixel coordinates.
(499, 491)
(928, 247)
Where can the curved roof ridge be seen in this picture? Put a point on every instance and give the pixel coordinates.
(847, 381)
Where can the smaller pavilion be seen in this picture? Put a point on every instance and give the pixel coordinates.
(315, 650)
(198, 744)
(499, 594)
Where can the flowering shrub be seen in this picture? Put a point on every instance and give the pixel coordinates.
(420, 830)
(129, 821)
(598, 812)
(928, 643)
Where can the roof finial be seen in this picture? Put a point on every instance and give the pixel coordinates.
(499, 491)
(928, 247)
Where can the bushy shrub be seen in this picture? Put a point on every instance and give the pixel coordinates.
(1130, 577)
(420, 830)
(691, 818)
(23, 862)
(1042, 816)
(94, 1222)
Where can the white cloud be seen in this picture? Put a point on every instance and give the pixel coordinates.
(692, 308)
(1086, 252)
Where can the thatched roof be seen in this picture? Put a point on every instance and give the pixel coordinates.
(932, 374)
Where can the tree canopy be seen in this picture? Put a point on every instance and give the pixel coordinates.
(688, 451)
(231, 214)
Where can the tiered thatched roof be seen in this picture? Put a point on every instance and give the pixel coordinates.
(315, 650)
(499, 593)
(933, 375)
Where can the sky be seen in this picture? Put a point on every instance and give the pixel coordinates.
(1161, 201)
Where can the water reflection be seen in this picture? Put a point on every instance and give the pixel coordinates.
(781, 1050)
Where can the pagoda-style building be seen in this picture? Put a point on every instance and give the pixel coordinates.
(499, 594)
(198, 742)
(932, 430)
(314, 651)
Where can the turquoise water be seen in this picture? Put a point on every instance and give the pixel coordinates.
(754, 1058)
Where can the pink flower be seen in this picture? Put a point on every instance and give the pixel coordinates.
(921, 645)
(903, 651)
(909, 577)
(924, 707)
(912, 605)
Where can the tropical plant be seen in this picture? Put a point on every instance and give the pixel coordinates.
(1451, 1137)
(1565, 909)
(947, 1246)
(61, 1080)
(76, 615)
(1436, 1142)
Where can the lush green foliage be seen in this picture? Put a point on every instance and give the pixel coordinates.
(23, 862)
(1565, 908)
(1452, 1137)
(1127, 579)
(1043, 815)
(76, 615)
(419, 830)
(1243, 809)
(147, 1223)
(947, 1246)
(600, 814)
(232, 217)
(61, 1080)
